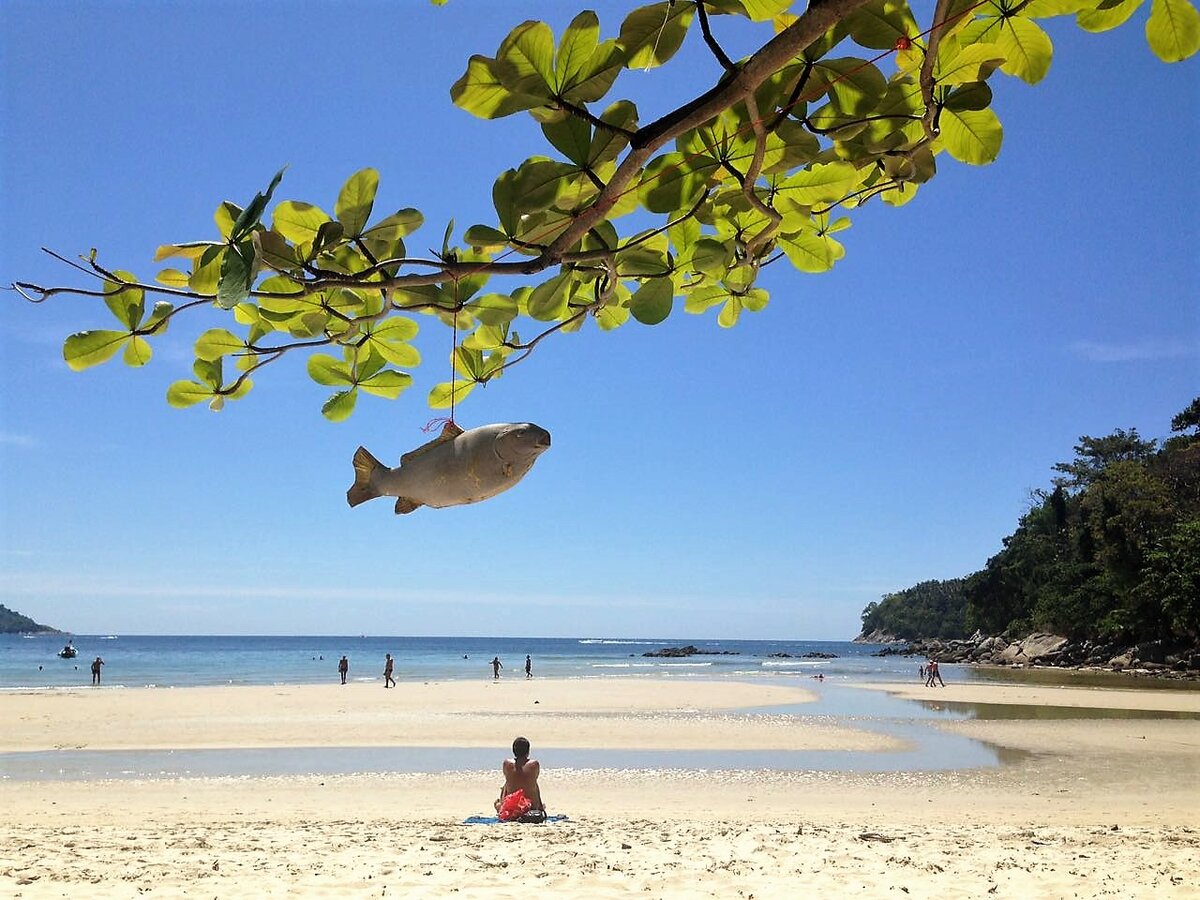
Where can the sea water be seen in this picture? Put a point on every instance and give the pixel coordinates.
(138, 661)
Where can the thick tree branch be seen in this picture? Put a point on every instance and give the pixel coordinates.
(816, 20)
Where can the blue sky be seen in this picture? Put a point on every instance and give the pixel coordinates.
(874, 427)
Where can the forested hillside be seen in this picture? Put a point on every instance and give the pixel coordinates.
(14, 623)
(1111, 551)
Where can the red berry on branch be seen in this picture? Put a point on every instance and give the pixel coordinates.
(903, 42)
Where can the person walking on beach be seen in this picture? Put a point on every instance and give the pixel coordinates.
(388, 666)
(528, 666)
(96, 664)
(521, 774)
(934, 673)
(343, 668)
(496, 667)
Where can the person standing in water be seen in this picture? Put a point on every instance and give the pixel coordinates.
(496, 667)
(528, 666)
(388, 667)
(343, 668)
(96, 664)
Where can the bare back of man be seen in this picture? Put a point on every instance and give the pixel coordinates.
(521, 774)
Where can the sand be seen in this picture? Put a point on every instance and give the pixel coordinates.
(1083, 807)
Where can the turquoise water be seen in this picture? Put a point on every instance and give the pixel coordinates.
(135, 661)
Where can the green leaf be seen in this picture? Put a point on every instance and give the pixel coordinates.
(386, 383)
(237, 274)
(252, 214)
(972, 63)
(609, 318)
(607, 145)
(1105, 18)
(442, 395)
(1173, 30)
(187, 394)
(298, 221)
(183, 394)
(548, 302)
(711, 256)
(354, 202)
(529, 51)
(1027, 49)
(651, 35)
(586, 69)
(484, 237)
(880, 23)
(161, 310)
(820, 184)
(218, 342)
(191, 250)
(324, 369)
(339, 407)
(572, 137)
(224, 217)
(652, 302)
(575, 50)
(274, 251)
(396, 226)
(172, 278)
(730, 312)
(481, 91)
(809, 251)
(972, 135)
(126, 303)
(494, 309)
(390, 340)
(137, 351)
(675, 181)
(85, 349)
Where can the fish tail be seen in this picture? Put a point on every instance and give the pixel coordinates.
(365, 467)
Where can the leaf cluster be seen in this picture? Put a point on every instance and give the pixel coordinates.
(845, 102)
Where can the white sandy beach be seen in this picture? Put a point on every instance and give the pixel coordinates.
(1084, 807)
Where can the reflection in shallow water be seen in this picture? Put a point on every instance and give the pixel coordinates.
(988, 711)
(1070, 678)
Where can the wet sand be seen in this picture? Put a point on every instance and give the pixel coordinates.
(1082, 807)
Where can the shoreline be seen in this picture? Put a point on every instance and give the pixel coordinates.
(1082, 807)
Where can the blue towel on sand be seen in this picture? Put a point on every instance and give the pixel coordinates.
(495, 820)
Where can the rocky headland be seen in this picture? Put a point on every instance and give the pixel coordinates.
(1159, 658)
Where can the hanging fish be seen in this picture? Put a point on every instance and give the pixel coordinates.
(455, 468)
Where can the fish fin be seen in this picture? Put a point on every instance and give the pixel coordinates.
(404, 505)
(365, 465)
(449, 432)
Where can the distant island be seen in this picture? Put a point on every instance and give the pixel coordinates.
(1103, 569)
(12, 622)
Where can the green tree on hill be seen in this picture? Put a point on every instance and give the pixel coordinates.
(1112, 553)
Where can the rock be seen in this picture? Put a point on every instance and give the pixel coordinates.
(689, 650)
(818, 654)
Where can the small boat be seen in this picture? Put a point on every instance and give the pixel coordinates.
(68, 652)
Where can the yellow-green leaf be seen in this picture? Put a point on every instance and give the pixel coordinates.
(971, 135)
(90, 348)
(442, 395)
(297, 221)
(1107, 17)
(1173, 29)
(339, 407)
(354, 202)
(183, 394)
(137, 351)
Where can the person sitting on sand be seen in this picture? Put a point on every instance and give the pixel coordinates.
(521, 773)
